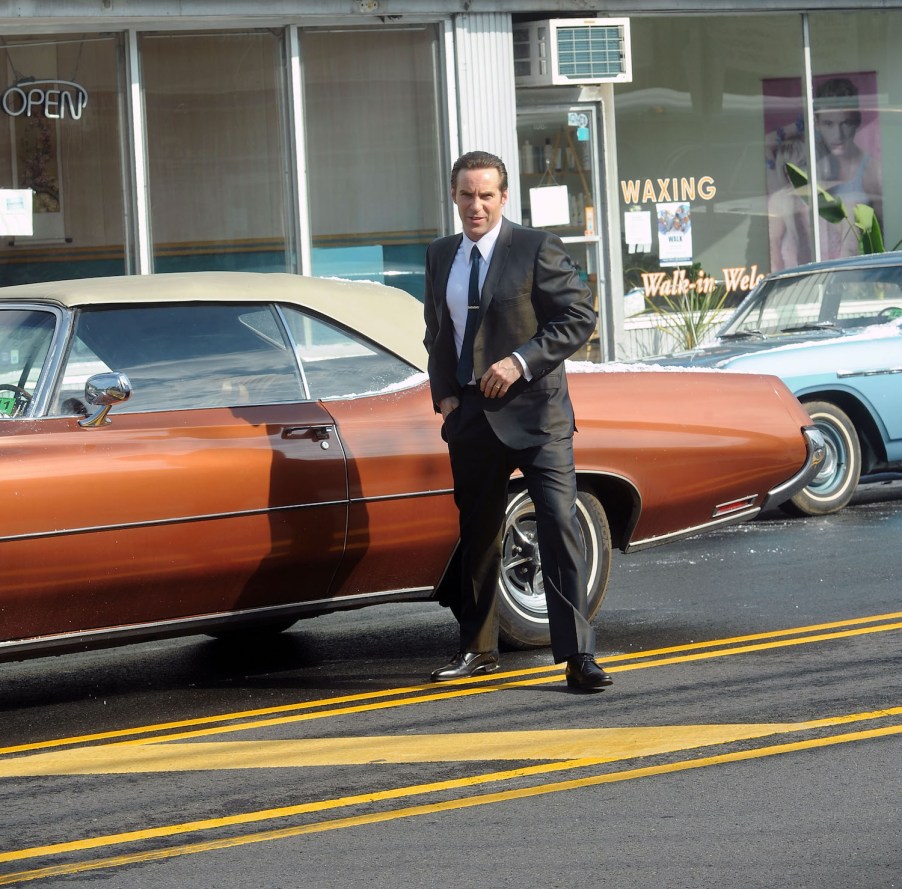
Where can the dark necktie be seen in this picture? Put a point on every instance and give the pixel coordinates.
(465, 363)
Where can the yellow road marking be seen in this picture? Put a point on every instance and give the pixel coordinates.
(604, 744)
(470, 687)
(764, 646)
(646, 741)
(408, 812)
(615, 664)
(596, 744)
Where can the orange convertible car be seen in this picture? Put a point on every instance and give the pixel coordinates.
(215, 452)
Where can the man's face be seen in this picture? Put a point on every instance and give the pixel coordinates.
(479, 200)
(838, 130)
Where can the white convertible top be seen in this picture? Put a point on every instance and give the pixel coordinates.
(386, 315)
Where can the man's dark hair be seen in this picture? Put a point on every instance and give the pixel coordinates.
(479, 160)
(838, 94)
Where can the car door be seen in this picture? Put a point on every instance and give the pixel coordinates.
(865, 366)
(873, 368)
(402, 521)
(216, 488)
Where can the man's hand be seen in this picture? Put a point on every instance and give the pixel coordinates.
(495, 382)
(446, 405)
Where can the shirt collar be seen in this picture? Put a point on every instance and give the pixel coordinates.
(486, 243)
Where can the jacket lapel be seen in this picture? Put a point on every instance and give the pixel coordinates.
(496, 269)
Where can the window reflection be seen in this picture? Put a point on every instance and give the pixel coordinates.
(181, 357)
(375, 182)
(217, 151)
(338, 364)
(25, 337)
(712, 113)
(72, 164)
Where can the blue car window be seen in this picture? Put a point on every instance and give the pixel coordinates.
(836, 300)
(182, 356)
(338, 363)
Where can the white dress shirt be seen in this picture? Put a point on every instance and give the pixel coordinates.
(459, 284)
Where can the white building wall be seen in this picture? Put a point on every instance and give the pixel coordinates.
(486, 95)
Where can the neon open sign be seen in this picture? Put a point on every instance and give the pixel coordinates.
(51, 98)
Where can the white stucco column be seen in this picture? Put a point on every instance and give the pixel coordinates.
(485, 93)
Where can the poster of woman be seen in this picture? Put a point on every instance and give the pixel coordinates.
(847, 151)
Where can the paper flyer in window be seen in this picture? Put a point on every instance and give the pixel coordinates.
(674, 234)
(15, 212)
(549, 205)
(637, 230)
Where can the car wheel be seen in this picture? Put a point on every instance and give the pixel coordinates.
(832, 488)
(522, 612)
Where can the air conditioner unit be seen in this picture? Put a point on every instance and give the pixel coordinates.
(555, 52)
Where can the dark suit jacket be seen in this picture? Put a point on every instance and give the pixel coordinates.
(534, 303)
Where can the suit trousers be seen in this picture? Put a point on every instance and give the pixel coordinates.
(481, 465)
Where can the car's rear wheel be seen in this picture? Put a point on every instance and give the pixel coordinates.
(832, 488)
(522, 612)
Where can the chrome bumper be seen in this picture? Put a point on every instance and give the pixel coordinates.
(817, 450)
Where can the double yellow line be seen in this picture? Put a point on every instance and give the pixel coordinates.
(881, 723)
(385, 699)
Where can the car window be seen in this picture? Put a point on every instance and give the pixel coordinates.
(182, 356)
(842, 299)
(25, 336)
(338, 363)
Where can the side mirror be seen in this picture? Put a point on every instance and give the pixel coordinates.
(103, 391)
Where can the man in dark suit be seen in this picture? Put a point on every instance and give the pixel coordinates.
(504, 308)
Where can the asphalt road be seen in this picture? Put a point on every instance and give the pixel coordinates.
(751, 739)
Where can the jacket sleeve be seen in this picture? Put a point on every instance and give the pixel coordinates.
(429, 310)
(441, 377)
(564, 309)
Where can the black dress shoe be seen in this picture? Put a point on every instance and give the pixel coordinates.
(584, 674)
(467, 663)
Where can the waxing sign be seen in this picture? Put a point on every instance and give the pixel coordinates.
(47, 98)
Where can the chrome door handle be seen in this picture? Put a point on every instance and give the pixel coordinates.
(317, 433)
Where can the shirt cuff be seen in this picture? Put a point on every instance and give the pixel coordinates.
(527, 374)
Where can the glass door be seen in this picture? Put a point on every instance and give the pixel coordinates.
(559, 187)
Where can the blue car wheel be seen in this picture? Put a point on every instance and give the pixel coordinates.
(833, 487)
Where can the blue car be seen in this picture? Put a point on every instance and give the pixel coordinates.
(832, 331)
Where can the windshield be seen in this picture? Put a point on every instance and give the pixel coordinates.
(25, 336)
(831, 301)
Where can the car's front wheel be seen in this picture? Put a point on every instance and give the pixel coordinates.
(832, 488)
(522, 612)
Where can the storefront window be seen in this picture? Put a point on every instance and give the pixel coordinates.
(373, 141)
(857, 99)
(716, 110)
(217, 151)
(703, 133)
(61, 162)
